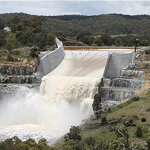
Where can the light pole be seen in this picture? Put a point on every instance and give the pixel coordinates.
(136, 42)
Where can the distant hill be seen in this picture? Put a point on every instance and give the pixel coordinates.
(111, 24)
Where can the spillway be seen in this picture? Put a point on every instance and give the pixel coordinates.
(65, 99)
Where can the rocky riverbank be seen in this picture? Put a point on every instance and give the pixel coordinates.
(7, 90)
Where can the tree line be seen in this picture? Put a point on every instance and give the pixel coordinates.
(26, 32)
(108, 40)
(101, 30)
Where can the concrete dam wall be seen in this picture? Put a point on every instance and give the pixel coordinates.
(51, 60)
(117, 62)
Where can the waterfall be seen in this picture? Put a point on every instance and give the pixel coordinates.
(62, 102)
(65, 99)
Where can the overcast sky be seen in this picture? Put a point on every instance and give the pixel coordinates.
(61, 7)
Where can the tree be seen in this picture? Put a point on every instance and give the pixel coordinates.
(83, 35)
(73, 145)
(2, 38)
(8, 46)
(98, 41)
(1, 24)
(36, 21)
(106, 39)
(97, 106)
(139, 132)
(15, 20)
(90, 141)
(73, 134)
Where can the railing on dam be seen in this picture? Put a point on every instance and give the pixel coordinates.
(117, 61)
(51, 60)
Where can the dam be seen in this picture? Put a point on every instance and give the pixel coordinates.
(65, 97)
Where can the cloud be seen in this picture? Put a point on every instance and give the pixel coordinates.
(92, 7)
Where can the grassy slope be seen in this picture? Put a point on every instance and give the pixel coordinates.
(131, 109)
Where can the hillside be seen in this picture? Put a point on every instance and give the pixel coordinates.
(110, 23)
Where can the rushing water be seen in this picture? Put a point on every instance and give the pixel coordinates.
(65, 99)
(64, 103)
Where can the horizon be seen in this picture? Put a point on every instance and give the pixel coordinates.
(74, 14)
(77, 7)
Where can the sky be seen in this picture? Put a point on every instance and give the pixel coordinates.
(78, 7)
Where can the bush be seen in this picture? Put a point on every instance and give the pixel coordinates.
(34, 49)
(138, 146)
(103, 119)
(90, 141)
(139, 132)
(143, 120)
(72, 145)
(147, 51)
(97, 105)
(135, 98)
(16, 52)
(148, 142)
(129, 123)
(73, 134)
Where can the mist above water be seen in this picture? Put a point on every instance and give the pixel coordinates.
(63, 102)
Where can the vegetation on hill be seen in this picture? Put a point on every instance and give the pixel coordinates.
(101, 30)
(15, 143)
(24, 33)
(125, 126)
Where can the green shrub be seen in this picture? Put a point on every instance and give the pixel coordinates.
(147, 51)
(135, 98)
(129, 123)
(90, 141)
(138, 146)
(103, 119)
(139, 132)
(34, 49)
(72, 145)
(97, 105)
(16, 52)
(143, 120)
(148, 142)
(73, 134)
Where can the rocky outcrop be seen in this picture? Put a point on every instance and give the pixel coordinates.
(21, 73)
(133, 74)
(123, 87)
(18, 79)
(18, 68)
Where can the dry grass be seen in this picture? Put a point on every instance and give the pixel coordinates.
(147, 76)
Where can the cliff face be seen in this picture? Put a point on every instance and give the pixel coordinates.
(18, 72)
(18, 68)
(123, 87)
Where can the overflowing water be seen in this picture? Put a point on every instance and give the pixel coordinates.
(65, 99)
(65, 102)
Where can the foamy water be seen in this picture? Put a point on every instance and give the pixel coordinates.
(65, 99)
(63, 103)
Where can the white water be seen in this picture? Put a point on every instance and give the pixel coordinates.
(66, 99)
